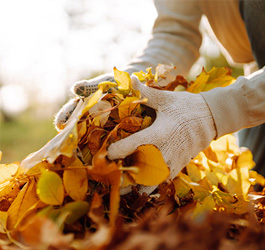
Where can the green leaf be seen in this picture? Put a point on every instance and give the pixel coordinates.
(50, 188)
(75, 210)
(207, 205)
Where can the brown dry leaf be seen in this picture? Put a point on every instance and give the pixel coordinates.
(152, 169)
(42, 233)
(100, 111)
(102, 236)
(95, 139)
(107, 172)
(179, 81)
(131, 124)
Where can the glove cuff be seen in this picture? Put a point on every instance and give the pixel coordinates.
(229, 108)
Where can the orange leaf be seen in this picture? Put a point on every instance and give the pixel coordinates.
(152, 167)
(26, 198)
(131, 124)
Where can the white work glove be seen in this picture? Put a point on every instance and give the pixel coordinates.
(82, 89)
(184, 126)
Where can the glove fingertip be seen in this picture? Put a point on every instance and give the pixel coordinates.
(64, 113)
(120, 149)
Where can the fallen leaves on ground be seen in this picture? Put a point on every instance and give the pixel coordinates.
(67, 195)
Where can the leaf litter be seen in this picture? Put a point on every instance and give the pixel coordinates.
(68, 195)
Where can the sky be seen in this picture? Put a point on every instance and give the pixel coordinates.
(47, 45)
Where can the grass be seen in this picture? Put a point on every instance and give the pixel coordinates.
(24, 135)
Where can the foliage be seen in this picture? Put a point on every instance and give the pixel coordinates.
(68, 195)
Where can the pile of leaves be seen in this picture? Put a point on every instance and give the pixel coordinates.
(69, 195)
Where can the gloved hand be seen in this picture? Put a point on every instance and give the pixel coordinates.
(82, 89)
(184, 126)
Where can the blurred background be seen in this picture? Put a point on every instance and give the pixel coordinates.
(47, 45)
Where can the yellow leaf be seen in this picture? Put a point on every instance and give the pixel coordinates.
(216, 77)
(106, 85)
(7, 171)
(245, 159)
(146, 122)
(123, 80)
(50, 188)
(194, 172)
(93, 100)
(127, 180)
(256, 178)
(140, 75)
(207, 205)
(231, 203)
(76, 183)
(25, 200)
(127, 106)
(181, 188)
(152, 167)
(39, 168)
(3, 219)
(81, 129)
(183, 185)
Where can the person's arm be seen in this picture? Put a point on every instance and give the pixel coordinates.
(176, 37)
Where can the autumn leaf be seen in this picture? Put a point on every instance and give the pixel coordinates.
(194, 172)
(26, 198)
(50, 188)
(123, 80)
(93, 100)
(3, 220)
(100, 112)
(75, 210)
(165, 74)
(106, 85)
(7, 171)
(131, 124)
(94, 139)
(203, 207)
(216, 77)
(152, 169)
(107, 172)
(183, 185)
(127, 106)
(42, 233)
(76, 183)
